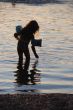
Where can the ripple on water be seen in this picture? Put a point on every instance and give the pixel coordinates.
(54, 69)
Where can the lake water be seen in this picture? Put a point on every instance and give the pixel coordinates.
(54, 68)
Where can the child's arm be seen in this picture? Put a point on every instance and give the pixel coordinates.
(34, 51)
(33, 48)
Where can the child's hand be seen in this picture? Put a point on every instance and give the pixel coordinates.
(36, 56)
(16, 36)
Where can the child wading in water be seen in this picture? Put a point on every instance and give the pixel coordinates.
(24, 37)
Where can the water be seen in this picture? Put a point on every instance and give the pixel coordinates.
(54, 68)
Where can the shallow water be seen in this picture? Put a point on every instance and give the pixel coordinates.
(54, 68)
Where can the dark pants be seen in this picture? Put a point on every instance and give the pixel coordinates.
(23, 49)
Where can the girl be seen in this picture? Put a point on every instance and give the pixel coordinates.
(24, 37)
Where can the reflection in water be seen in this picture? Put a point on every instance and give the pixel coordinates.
(24, 77)
(35, 75)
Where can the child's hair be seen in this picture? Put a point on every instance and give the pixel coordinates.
(32, 26)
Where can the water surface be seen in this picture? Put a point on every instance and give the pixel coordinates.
(54, 68)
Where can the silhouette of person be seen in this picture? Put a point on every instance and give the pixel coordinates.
(24, 37)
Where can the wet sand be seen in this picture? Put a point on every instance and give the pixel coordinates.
(36, 102)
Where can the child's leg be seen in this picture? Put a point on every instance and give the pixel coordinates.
(20, 55)
(27, 61)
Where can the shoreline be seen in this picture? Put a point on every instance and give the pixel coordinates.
(52, 101)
